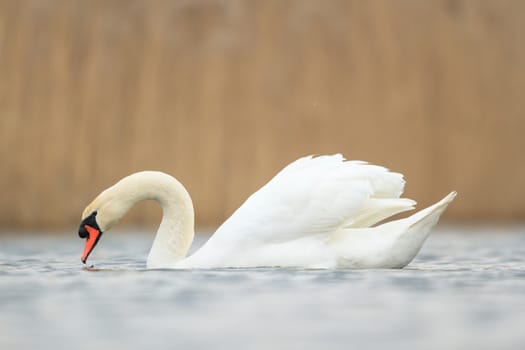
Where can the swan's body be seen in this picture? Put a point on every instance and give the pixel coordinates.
(316, 213)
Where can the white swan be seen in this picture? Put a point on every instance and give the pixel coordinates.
(318, 212)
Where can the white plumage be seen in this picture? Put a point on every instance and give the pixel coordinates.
(318, 212)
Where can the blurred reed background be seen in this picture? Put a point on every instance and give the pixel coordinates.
(223, 94)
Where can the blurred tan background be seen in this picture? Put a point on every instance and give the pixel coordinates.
(223, 94)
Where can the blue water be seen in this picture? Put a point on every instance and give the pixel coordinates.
(465, 290)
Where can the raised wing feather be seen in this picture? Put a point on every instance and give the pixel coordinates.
(316, 196)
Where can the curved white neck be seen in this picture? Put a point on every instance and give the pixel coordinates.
(176, 230)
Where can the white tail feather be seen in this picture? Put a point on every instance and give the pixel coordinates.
(414, 230)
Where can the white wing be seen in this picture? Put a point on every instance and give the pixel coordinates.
(315, 196)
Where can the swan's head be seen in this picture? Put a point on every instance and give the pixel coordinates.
(100, 216)
(111, 205)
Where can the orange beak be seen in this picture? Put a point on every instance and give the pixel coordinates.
(91, 241)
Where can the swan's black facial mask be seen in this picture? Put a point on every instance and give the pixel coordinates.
(89, 230)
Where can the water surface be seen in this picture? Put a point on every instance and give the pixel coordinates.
(465, 290)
